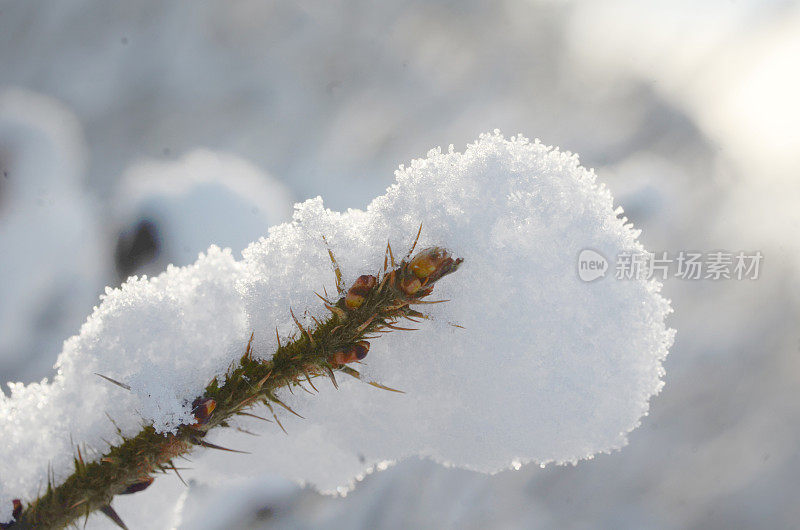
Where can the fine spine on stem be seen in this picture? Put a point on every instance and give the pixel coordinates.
(371, 306)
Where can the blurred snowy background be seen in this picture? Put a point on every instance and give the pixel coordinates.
(133, 135)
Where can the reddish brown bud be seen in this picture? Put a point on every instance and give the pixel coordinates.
(433, 263)
(138, 486)
(202, 409)
(358, 292)
(361, 349)
(354, 353)
(410, 285)
(15, 513)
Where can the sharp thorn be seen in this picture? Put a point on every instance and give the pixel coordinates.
(354, 373)
(175, 469)
(415, 243)
(308, 378)
(80, 456)
(79, 503)
(336, 269)
(248, 350)
(337, 311)
(284, 405)
(245, 402)
(112, 514)
(364, 325)
(323, 298)
(245, 431)
(254, 416)
(119, 431)
(383, 282)
(263, 380)
(281, 425)
(329, 372)
(302, 329)
(114, 381)
(351, 372)
(276, 417)
(203, 443)
(398, 328)
(384, 387)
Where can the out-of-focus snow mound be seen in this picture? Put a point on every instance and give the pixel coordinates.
(327, 96)
(46, 217)
(547, 367)
(184, 206)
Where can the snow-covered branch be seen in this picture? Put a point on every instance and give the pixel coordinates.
(371, 306)
(542, 366)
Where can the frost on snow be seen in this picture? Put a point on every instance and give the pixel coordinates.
(547, 368)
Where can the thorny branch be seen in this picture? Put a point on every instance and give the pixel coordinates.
(371, 306)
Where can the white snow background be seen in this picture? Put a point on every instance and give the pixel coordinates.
(546, 369)
(688, 112)
(44, 215)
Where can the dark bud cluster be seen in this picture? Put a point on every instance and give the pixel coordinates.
(358, 292)
(138, 486)
(432, 263)
(202, 409)
(354, 353)
(425, 268)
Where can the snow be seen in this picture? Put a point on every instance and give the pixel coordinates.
(547, 368)
(204, 197)
(243, 501)
(330, 97)
(45, 216)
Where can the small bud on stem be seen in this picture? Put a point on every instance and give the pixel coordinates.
(358, 292)
(202, 409)
(354, 353)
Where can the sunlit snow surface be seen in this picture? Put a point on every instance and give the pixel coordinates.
(546, 367)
